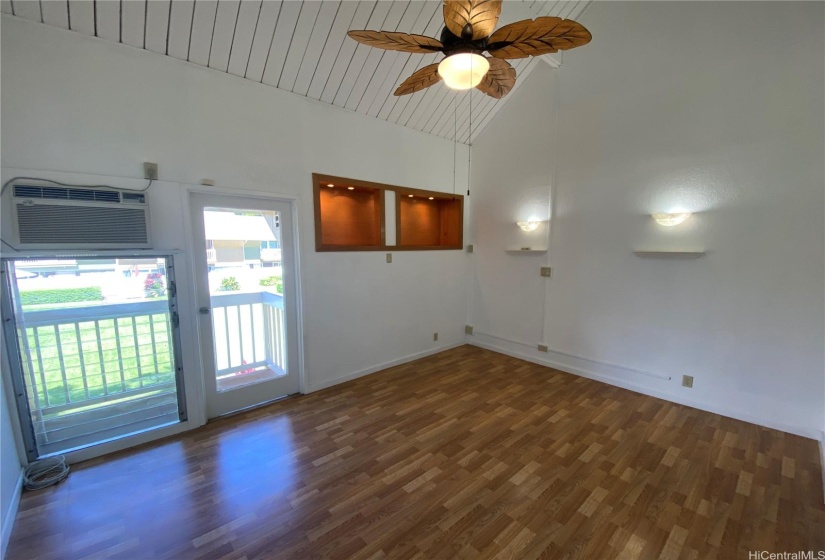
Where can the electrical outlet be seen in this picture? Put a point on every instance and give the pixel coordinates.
(687, 381)
(435, 336)
(470, 248)
(150, 170)
(542, 347)
(389, 257)
(545, 271)
(468, 329)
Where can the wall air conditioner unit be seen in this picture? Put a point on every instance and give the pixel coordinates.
(52, 217)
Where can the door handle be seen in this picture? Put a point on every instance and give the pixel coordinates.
(203, 310)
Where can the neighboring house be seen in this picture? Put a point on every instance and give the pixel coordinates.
(241, 240)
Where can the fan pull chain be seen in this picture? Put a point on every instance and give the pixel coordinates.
(470, 143)
(455, 141)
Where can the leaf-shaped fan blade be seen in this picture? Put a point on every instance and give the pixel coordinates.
(480, 15)
(421, 79)
(499, 80)
(536, 37)
(397, 41)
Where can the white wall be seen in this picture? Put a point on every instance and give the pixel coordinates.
(672, 105)
(10, 480)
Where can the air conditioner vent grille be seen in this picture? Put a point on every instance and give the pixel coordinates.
(82, 225)
(65, 193)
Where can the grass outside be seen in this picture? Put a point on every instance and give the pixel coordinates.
(114, 356)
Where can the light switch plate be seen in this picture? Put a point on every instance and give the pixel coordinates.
(545, 271)
(470, 248)
(389, 257)
(687, 381)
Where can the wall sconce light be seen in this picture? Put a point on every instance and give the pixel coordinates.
(672, 219)
(528, 226)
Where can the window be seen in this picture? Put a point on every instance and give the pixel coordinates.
(96, 349)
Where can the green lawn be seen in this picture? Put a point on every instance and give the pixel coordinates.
(117, 355)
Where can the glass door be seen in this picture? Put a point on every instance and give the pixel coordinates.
(96, 348)
(246, 284)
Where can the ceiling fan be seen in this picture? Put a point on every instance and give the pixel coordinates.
(468, 32)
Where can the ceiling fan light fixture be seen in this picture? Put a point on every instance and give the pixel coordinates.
(463, 70)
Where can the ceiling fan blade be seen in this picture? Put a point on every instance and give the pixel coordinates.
(420, 79)
(536, 37)
(397, 41)
(499, 80)
(480, 15)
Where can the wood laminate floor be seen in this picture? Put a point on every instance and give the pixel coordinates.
(465, 454)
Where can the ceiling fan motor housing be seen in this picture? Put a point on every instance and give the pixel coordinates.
(454, 44)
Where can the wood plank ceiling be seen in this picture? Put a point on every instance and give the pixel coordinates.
(301, 46)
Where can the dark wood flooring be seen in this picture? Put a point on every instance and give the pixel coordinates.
(465, 454)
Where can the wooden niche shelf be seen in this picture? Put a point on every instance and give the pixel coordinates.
(428, 220)
(350, 216)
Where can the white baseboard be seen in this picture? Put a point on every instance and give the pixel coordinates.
(822, 465)
(10, 514)
(379, 367)
(557, 362)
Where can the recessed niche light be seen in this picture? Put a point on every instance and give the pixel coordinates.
(330, 185)
(351, 188)
(409, 195)
(432, 198)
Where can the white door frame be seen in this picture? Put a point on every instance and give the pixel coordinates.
(293, 201)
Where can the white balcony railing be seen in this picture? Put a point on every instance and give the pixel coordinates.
(249, 332)
(97, 371)
(87, 367)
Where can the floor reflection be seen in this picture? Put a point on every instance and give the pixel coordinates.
(255, 465)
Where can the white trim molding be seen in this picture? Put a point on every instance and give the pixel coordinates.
(392, 363)
(10, 515)
(553, 60)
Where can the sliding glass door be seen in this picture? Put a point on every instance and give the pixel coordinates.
(94, 348)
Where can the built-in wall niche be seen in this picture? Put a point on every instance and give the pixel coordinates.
(429, 220)
(348, 217)
(352, 215)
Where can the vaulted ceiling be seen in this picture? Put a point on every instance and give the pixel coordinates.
(301, 47)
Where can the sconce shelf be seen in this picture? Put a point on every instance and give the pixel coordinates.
(525, 251)
(669, 254)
